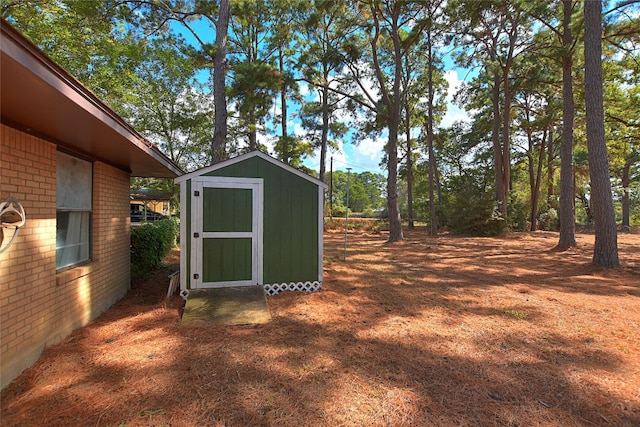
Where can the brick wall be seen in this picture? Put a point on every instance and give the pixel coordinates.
(39, 307)
(111, 232)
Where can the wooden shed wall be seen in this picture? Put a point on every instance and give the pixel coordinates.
(290, 239)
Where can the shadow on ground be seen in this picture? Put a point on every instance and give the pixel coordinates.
(447, 332)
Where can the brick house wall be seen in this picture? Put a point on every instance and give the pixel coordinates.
(38, 306)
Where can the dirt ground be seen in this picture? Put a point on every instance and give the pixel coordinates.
(446, 331)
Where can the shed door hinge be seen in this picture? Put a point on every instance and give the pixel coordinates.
(196, 193)
(196, 235)
(196, 276)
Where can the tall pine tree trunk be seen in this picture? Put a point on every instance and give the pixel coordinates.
(506, 140)
(409, 145)
(605, 250)
(286, 155)
(409, 179)
(218, 145)
(551, 201)
(393, 209)
(626, 225)
(567, 215)
(253, 133)
(495, 138)
(438, 182)
(535, 181)
(433, 218)
(324, 141)
(533, 212)
(393, 102)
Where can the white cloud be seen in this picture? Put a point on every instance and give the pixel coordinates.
(276, 109)
(308, 93)
(370, 149)
(366, 155)
(340, 159)
(454, 82)
(296, 128)
(454, 113)
(266, 140)
(339, 156)
(303, 87)
(369, 84)
(368, 87)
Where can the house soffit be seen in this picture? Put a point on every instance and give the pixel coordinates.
(39, 97)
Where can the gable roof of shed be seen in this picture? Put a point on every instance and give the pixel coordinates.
(41, 98)
(246, 156)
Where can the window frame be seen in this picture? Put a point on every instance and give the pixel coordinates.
(86, 221)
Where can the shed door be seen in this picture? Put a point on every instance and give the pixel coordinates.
(227, 232)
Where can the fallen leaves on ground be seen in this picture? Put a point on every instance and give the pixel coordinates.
(445, 331)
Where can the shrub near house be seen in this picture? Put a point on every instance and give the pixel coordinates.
(150, 243)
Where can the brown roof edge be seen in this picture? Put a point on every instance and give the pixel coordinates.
(54, 75)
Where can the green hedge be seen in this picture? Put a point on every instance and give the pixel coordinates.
(472, 209)
(150, 243)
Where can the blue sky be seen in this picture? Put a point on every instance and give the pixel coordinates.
(364, 156)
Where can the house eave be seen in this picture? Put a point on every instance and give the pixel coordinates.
(40, 97)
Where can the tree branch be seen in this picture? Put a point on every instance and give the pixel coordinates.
(627, 123)
(340, 92)
(621, 5)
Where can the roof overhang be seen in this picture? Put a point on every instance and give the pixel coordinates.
(40, 97)
(146, 194)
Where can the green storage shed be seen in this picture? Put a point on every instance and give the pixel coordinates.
(251, 220)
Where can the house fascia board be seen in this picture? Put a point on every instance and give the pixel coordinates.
(32, 63)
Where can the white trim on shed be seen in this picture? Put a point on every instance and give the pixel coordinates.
(246, 156)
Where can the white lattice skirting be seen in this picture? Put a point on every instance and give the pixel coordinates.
(276, 288)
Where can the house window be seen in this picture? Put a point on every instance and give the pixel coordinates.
(73, 210)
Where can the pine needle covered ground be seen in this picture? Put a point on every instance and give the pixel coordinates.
(446, 331)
